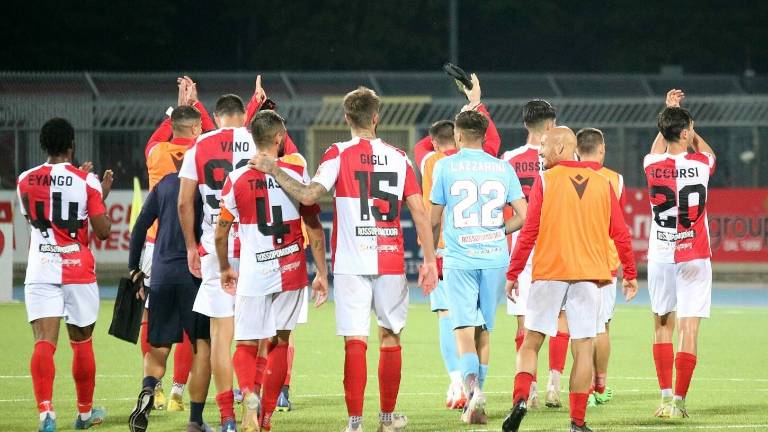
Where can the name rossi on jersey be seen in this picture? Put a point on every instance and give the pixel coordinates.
(278, 253)
(369, 231)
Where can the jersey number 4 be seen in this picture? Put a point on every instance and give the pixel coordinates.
(40, 221)
(492, 193)
(683, 209)
(277, 229)
(373, 180)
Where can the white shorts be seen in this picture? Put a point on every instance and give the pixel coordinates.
(304, 312)
(260, 317)
(607, 304)
(524, 286)
(146, 262)
(211, 299)
(685, 287)
(580, 299)
(355, 296)
(77, 303)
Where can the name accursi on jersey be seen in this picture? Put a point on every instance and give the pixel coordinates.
(667, 173)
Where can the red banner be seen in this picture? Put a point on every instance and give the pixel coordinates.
(738, 223)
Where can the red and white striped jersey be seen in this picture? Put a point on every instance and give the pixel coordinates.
(527, 165)
(272, 257)
(677, 186)
(209, 162)
(57, 200)
(371, 179)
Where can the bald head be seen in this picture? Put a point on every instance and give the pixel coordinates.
(557, 144)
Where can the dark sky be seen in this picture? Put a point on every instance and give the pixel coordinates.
(495, 35)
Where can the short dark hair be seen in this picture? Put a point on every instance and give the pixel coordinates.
(229, 104)
(472, 122)
(536, 111)
(264, 126)
(183, 114)
(360, 105)
(57, 136)
(672, 121)
(588, 139)
(441, 131)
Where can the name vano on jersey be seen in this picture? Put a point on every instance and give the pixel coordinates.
(57, 200)
(209, 162)
(677, 187)
(371, 178)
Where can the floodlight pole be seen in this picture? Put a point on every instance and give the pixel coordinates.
(453, 33)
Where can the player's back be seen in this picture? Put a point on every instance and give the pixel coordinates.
(573, 238)
(475, 188)
(213, 157)
(371, 179)
(164, 158)
(677, 187)
(58, 200)
(427, 178)
(272, 254)
(527, 165)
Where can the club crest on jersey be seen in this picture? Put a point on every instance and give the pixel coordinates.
(369, 231)
(278, 253)
(580, 184)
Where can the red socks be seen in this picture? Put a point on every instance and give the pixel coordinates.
(558, 350)
(664, 357)
(84, 373)
(277, 367)
(685, 363)
(261, 367)
(390, 365)
(245, 364)
(599, 383)
(578, 407)
(144, 338)
(43, 371)
(522, 390)
(226, 401)
(355, 376)
(519, 340)
(291, 353)
(182, 361)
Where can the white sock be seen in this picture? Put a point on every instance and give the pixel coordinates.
(678, 397)
(44, 413)
(667, 393)
(85, 416)
(534, 393)
(177, 389)
(455, 377)
(554, 381)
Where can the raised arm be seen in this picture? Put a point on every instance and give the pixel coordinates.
(492, 142)
(699, 145)
(674, 97)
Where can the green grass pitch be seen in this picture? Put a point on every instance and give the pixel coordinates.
(729, 389)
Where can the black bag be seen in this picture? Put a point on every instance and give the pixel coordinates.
(126, 316)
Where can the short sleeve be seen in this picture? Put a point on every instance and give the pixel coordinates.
(228, 200)
(188, 167)
(95, 201)
(328, 169)
(514, 190)
(411, 186)
(437, 196)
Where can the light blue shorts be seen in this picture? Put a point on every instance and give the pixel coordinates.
(438, 298)
(474, 295)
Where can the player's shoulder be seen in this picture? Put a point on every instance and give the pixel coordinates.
(390, 148)
(293, 169)
(701, 157)
(241, 173)
(654, 158)
(77, 172)
(208, 136)
(31, 171)
(516, 152)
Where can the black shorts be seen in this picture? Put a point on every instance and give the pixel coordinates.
(171, 314)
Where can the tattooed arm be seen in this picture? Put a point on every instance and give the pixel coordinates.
(305, 194)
